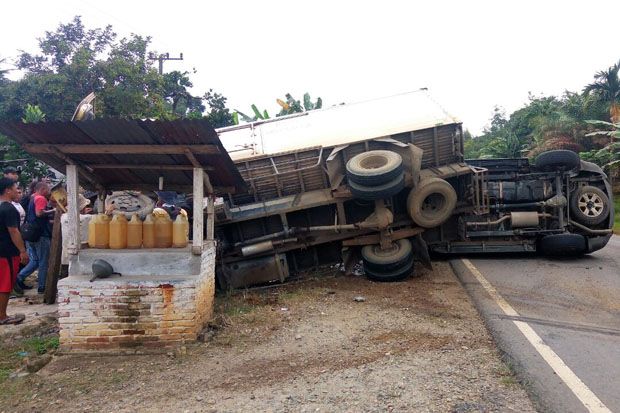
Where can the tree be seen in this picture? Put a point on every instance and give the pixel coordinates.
(219, 115)
(606, 87)
(497, 141)
(73, 61)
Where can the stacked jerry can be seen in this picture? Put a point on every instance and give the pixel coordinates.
(156, 231)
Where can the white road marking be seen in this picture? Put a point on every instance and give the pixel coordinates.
(574, 383)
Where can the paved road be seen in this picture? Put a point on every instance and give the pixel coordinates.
(560, 313)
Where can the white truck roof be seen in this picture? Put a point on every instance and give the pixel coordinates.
(335, 125)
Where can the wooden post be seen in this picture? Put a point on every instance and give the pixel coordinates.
(210, 218)
(73, 186)
(198, 232)
(53, 266)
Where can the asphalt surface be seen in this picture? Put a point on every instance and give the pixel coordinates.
(572, 305)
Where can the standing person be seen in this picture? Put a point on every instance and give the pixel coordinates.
(38, 213)
(26, 197)
(12, 249)
(18, 206)
(12, 173)
(22, 217)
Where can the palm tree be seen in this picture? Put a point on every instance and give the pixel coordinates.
(607, 87)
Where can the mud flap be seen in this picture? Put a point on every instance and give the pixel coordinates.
(421, 251)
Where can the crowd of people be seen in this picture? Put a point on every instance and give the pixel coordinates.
(20, 258)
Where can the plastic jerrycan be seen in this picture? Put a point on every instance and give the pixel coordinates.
(91, 232)
(148, 232)
(134, 232)
(180, 229)
(102, 231)
(163, 232)
(118, 232)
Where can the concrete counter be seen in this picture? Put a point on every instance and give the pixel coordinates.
(139, 262)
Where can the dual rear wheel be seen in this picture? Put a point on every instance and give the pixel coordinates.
(375, 174)
(390, 264)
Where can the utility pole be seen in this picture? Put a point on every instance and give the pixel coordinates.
(162, 58)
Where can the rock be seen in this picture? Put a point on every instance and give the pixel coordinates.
(298, 337)
(198, 398)
(18, 374)
(38, 363)
(359, 299)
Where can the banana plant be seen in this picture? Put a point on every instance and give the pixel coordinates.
(291, 105)
(258, 115)
(610, 154)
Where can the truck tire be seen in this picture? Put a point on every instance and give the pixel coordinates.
(589, 205)
(377, 260)
(383, 191)
(563, 245)
(374, 168)
(399, 274)
(129, 203)
(560, 159)
(431, 202)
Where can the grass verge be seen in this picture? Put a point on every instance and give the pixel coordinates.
(13, 353)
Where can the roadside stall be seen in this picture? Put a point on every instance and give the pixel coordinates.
(164, 296)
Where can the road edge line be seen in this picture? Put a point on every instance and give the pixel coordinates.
(589, 400)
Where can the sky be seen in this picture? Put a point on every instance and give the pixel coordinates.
(471, 55)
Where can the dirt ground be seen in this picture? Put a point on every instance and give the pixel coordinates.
(412, 346)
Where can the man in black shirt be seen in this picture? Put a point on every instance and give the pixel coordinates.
(12, 249)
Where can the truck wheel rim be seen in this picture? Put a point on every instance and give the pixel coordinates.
(393, 250)
(432, 203)
(590, 204)
(374, 162)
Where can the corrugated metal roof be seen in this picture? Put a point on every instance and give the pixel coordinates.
(112, 131)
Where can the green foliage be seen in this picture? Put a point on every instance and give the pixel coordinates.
(608, 156)
(10, 151)
(73, 61)
(606, 87)
(498, 141)
(550, 122)
(219, 115)
(294, 106)
(33, 114)
(12, 353)
(289, 107)
(41, 345)
(258, 115)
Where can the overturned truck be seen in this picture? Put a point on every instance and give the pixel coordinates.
(385, 181)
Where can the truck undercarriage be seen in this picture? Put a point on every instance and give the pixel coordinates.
(389, 201)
